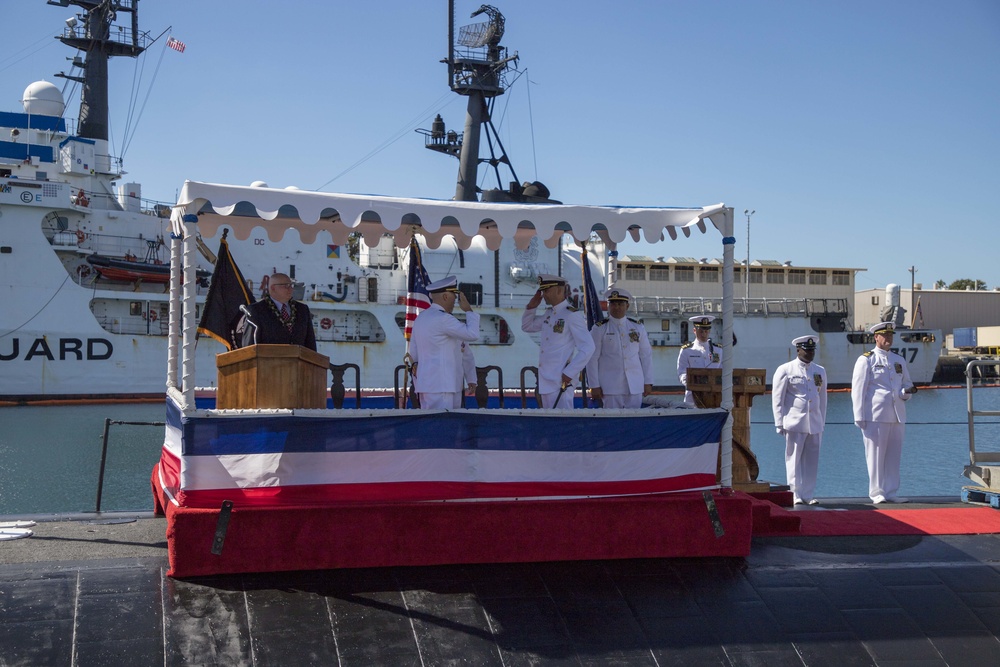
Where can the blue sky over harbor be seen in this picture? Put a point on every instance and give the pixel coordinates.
(863, 134)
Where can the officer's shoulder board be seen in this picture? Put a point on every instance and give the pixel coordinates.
(600, 323)
(686, 345)
(633, 321)
(572, 309)
(868, 353)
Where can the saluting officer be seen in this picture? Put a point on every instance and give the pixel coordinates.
(620, 371)
(798, 397)
(880, 388)
(702, 352)
(440, 347)
(565, 346)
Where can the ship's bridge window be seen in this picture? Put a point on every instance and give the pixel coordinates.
(473, 292)
(135, 308)
(659, 273)
(841, 277)
(796, 277)
(708, 274)
(756, 275)
(817, 277)
(664, 325)
(737, 275)
(684, 274)
(775, 277)
(635, 272)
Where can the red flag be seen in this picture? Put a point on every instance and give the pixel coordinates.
(417, 297)
(176, 44)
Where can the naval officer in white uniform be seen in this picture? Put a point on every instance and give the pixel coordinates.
(439, 345)
(880, 388)
(620, 372)
(565, 346)
(702, 352)
(798, 397)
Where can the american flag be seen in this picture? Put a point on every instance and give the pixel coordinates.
(417, 297)
(591, 302)
(176, 44)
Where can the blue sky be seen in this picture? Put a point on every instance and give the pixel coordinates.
(864, 133)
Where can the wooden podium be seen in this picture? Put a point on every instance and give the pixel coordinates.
(271, 376)
(706, 385)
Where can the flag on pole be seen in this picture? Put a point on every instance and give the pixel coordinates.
(417, 296)
(226, 294)
(591, 302)
(176, 44)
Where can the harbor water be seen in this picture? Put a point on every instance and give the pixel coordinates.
(50, 457)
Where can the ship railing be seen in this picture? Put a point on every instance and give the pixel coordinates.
(984, 466)
(114, 245)
(690, 306)
(138, 327)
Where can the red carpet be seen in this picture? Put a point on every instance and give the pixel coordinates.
(944, 521)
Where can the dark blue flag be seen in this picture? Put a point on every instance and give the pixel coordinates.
(591, 302)
(227, 292)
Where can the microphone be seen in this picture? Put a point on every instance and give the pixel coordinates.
(249, 320)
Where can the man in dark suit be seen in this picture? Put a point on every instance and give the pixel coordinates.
(279, 319)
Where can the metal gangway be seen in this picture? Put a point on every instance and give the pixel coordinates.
(983, 467)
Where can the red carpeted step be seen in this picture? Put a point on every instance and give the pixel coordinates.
(769, 519)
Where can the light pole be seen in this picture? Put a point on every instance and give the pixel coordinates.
(746, 271)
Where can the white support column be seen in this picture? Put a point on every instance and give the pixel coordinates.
(188, 307)
(728, 242)
(174, 316)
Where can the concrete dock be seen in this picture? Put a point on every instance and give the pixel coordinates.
(91, 590)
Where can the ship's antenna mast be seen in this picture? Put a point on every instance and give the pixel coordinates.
(100, 43)
(476, 71)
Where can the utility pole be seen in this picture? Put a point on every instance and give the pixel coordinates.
(746, 271)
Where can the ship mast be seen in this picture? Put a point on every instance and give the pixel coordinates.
(476, 67)
(97, 40)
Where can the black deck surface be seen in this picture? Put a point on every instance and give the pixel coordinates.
(93, 592)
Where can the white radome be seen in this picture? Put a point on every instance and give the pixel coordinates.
(43, 99)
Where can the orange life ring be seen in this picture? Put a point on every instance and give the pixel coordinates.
(152, 316)
(80, 236)
(326, 323)
(81, 199)
(83, 270)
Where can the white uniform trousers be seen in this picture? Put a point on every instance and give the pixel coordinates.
(802, 463)
(630, 401)
(448, 400)
(883, 453)
(565, 401)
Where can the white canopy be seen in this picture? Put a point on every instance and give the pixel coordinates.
(243, 208)
(207, 206)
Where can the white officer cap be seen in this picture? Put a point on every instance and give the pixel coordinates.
(617, 294)
(547, 280)
(805, 342)
(883, 328)
(701, 321)
(449, 284)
